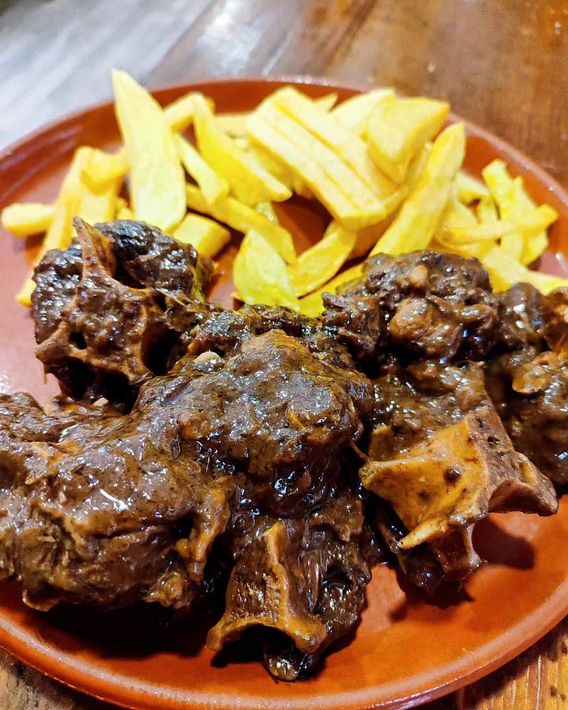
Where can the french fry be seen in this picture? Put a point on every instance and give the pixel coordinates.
(260, 274)
(322, 261)
(248, 180)
(470, 189)
(122, 209)
(312, 305)
(398, 128)
(213, 186)
(235, 123)
(157, 181)
(487, 210)
(267, 210)
(104, 167)
(207, 236)
(179, 114)
(23, 219)
(75, 198)
(420, 214)
(504, 271)
(341, 190)
(355, 111)
(347, 144)
(243, 218)
(515, 205)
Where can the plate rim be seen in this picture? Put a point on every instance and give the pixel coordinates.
(42, 657)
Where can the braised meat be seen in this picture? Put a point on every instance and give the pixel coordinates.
(111, 310)
(422, 304)
(268, 452)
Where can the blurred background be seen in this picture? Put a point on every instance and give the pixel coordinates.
(500, 63)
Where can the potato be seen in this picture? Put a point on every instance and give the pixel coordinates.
(312, 305)
(322, 261)
(25, 218)
(487, 210)
(122, 209)
(75, 199)
(345, 195)
(469, 188)
(515, 205)
(260, 274)
(248, 180)
(213, 186)
(420, 214)
(104, 167)
(355, 111)
(243, 218)
(157, 180)
(398, 128)
(207, 236)
(347, 144)
(504, 271)
(179, 114)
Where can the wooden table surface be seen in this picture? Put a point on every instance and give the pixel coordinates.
(501, 63)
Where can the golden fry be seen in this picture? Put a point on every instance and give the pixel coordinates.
(355, 111)
(504, 271)
(248, 180)
(207, 236)
(420, 214)
(398, 128)
(213, 186)
(122, 209)
(179, 114)
(322, 261)
(469, 188)
(312, 305)
(347, 144)
(23, 219)
(243, 218)
(260, 274)
(345, 195)
(157, 180)
(104, 167)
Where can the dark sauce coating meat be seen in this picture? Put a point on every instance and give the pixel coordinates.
(423, 304)
(249, 448)
(113, 309)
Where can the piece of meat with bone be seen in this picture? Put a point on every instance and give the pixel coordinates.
(111, 310)
(302, 578)
(439, 455)
(422, 304)
(529, 381)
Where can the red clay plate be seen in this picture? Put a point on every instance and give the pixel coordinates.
(406, 650)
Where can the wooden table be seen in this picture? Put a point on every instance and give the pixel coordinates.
(501, 63)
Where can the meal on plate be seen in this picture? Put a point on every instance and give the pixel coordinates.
(368, 400)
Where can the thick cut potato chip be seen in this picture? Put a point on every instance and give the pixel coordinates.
(398, 128)
(157, 180)
(469, 188)
(322, 261)
(213, 186)
(312, 305)
(345, 195)
(343, 141)
(355, 111)
(248, 180)
(26, 218)
(207, 236)
(104, 167)
(419, 216)
(179, 114)
(75, 198)
(243, 218)
(515, 205)
(260, 274)
(487, 210)
(505, 271)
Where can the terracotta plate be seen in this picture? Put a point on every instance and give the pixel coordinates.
(406, 650)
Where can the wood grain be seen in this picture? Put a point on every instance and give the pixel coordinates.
(501, 63)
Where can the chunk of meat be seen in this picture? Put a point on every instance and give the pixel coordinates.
(110, 312)
(424, 304)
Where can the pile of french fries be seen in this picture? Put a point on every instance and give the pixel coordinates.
(386, 168)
